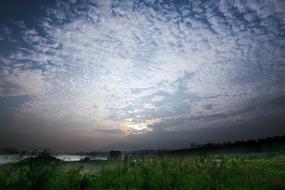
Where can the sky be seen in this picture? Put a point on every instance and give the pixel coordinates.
(140, 74)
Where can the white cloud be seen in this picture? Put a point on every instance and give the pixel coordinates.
(29, 83)
(157, 98)
(100, 62)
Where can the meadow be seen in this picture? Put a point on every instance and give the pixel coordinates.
(169, 171)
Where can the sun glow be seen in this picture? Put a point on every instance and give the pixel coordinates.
(137, 127)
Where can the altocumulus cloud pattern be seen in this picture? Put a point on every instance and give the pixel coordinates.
(127, 71)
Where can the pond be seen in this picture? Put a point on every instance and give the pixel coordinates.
(9, 158)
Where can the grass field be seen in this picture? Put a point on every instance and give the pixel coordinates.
(206, 171)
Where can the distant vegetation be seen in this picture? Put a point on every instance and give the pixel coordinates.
(203, 167)
(269, 144)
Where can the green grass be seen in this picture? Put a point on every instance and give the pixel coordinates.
(215, 171)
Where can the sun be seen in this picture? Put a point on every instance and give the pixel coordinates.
(138, 127)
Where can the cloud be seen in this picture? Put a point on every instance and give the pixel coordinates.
(178, 139)
(19, 83)
(108, 131)
(105, 62)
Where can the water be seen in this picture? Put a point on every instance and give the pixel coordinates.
(9, 158)
(70, 158)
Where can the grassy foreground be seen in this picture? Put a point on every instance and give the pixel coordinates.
(239, 171)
